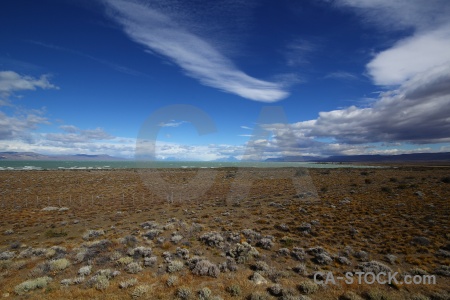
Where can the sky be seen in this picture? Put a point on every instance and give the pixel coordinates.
(210, 80)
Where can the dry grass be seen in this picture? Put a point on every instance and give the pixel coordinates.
(379, 211)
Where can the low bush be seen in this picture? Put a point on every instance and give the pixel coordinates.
(175, 266)
(32, 284)
(59, 264)
(93, 234)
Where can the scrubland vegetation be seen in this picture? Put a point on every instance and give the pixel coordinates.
(108, 235)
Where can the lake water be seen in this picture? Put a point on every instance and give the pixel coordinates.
(99, 165)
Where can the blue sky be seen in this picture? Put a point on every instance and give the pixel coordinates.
(274, 78)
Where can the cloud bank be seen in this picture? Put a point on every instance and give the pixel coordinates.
(11, 82)
(19, 127)
(426, 48)
(72, 135)
(416, 71)
(418, 112)
(198, 58)
(413, 72)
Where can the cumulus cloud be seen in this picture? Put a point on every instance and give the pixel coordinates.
(120, 147)
(165, 150)
(172, 123)
(416, 109)
(69, 128)
(424, 49)
(146, 24)
(19, 127)
(98, 142)
(411, 56)
(20, 122)
(418, 112)
(72, 134)
(11, 82)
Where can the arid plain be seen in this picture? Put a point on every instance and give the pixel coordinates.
(231, 233)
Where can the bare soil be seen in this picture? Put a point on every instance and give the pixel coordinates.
(398, 217)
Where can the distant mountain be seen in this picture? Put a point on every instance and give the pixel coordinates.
(295, 159)
(227, 159)
(414, 157)
(37, 156)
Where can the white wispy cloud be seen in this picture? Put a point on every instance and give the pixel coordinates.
(198, 58)
(398, 15)
(297, 52)
(112, 65)
(246, 127)
(342, 75)
(11, 82)
(172, 123)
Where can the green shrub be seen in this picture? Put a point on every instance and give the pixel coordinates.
(59, 264)
(123, 261)
(234, 290)
(128, 283)
(93, 234)
(102, 283)
(172, 280)
(140, 291)
(184, 293)
(175, 266)
(204, 294)
(258, 296)
(350, 296)
(32, 284)
(133, 268)
(308, 287)
(377, 294)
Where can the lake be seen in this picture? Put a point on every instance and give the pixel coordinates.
(100, 165)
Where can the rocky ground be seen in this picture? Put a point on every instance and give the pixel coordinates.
(227, 233)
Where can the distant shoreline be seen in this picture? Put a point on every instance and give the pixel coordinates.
(21, 165)
(109, 165)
